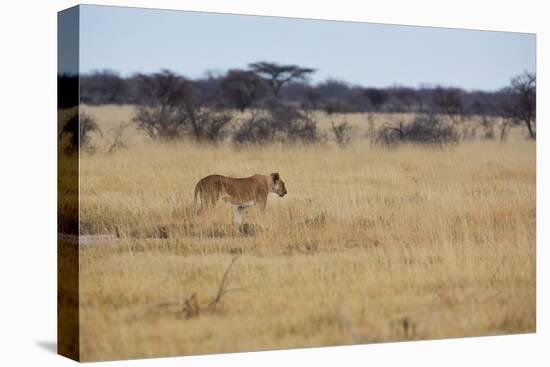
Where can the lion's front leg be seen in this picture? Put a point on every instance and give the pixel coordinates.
(238, 208)
(261, 201)
(238, 214)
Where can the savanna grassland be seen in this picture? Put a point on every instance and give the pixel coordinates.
(370, 245)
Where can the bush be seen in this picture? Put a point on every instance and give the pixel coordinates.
(424, 129)
(257, 129)
(342, 133)
(76, 132)
(448, 101)
(488, 128)
(279, 122)
(169, 110)
(87, 126)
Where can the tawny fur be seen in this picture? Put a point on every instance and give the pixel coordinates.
(245, 192)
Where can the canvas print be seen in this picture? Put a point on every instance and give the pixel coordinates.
(233, 183)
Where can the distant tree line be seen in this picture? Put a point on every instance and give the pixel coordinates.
(262, 81)
(280, 100)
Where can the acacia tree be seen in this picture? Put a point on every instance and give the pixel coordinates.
(520, 107)
(278, 75)
(243, 88)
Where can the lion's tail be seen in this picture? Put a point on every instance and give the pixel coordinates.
(197, 196)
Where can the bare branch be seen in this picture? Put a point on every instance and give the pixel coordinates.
(223, 284)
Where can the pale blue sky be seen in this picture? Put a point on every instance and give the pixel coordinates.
(130, 40)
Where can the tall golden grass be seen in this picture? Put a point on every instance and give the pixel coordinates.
(369, 245)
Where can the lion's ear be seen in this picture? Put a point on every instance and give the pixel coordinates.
(275, 176)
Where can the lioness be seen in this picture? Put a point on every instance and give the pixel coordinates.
(242, 193)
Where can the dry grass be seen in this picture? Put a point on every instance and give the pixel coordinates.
(369, 245)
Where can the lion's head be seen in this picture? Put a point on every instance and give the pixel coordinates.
(277, 185)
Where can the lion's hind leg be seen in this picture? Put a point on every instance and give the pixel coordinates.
(205, 198)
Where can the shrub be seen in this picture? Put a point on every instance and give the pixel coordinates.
(257, 129)
(342, 133)
(169, 110)
(279, 122)
(76, 132)
(424, 129)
